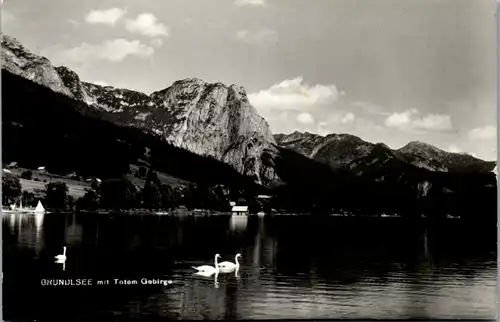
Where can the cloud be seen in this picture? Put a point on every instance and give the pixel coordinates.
(334, 118)
(348, 118)
(293, 94)
(114, 51)
(261, 37)
(7, 16)
(411, 121)
(156, 42)
(370, 108)
(73, 22)
(146, 24)
(250, 3)
(305, 118)
(454, 149)
(109, 16)
(100, 82)
(483, 133)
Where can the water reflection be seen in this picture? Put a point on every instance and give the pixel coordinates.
(292, 267)
(39, 220)
(208, 274)
(12, 222)
(74, 232)
(264, 245)
(28, 228)
(238, 223)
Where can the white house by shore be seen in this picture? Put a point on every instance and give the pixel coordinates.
(239, 210)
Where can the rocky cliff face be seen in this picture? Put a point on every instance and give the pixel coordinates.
(208, 119)
(20, 61)
(218, 120)
(348, 151)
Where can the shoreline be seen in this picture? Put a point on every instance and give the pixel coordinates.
(209, 213)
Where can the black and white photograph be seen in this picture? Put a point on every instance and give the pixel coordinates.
(249, 160)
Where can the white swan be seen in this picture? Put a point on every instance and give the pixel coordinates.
(230, 265)
(236, 274)
(207, 269)
(63, 262)
(63, 256)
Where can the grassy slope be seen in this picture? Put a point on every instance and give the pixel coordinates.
(78, 188)
(164, 178)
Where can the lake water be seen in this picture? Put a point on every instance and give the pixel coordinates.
(292, 267)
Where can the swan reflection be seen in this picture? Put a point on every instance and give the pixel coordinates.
(63, 262)
(209, 274)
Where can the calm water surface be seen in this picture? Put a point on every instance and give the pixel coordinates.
(292, 267)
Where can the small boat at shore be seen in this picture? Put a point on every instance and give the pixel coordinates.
(39, 209)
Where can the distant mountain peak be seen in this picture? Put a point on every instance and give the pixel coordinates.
(10, 41)
(338, 150)
(189, 82)
(419, 145)
(344, 136)
(20, 61)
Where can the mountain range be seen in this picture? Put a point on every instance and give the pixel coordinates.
(191, 126)
(347, 151)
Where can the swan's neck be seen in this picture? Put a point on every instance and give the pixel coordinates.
(216, 263)
(236, 261)
(64, 252)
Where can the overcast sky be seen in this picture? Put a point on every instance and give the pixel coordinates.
(387, 71)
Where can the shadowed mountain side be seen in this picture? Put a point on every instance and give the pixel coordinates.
(41, 127)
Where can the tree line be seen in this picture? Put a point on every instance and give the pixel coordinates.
(121, 194)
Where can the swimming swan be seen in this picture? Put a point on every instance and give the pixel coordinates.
(63, 262)
(63, 256)
(207, 269)
(231, 265)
